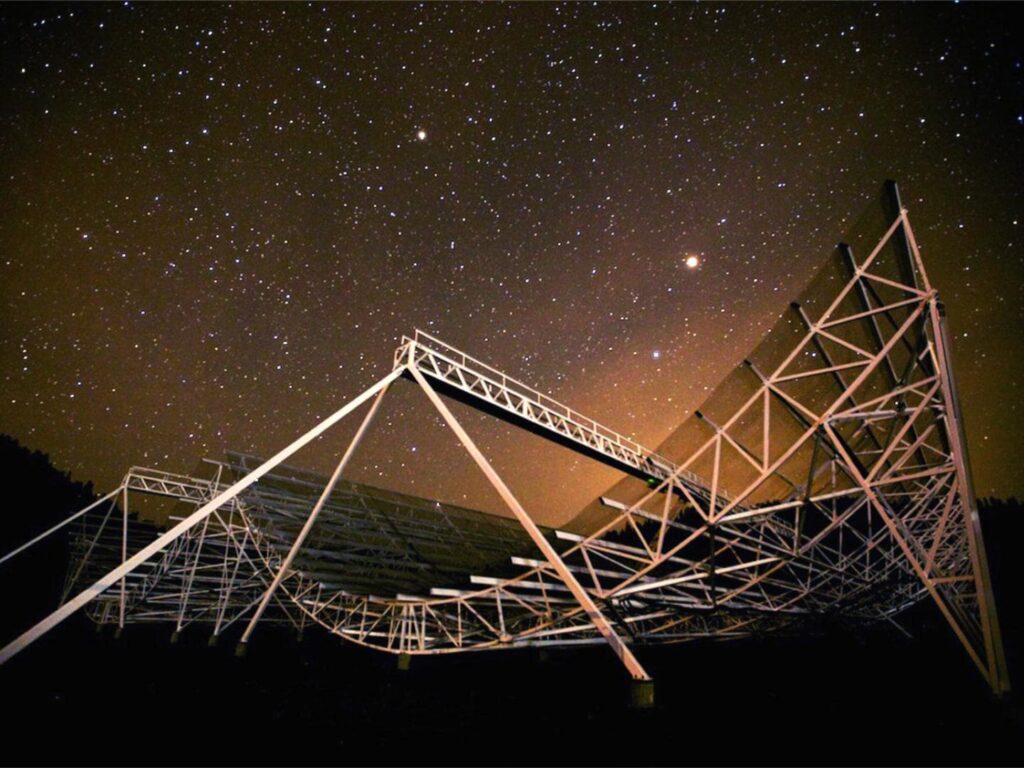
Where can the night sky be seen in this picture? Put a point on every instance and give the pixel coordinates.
(217, 221)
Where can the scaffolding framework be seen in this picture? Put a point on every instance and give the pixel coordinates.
(829, 479)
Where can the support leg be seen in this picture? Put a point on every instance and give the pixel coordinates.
(91, 593)
(897, 536)
(998, 674)
(124, 556)
(109, 497)
(286, 564)
(582, 596)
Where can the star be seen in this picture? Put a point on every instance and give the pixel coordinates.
(557, 214)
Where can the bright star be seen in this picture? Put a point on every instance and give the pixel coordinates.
(692, 261)
(421, 135)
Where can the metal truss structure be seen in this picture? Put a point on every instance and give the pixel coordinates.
(828, 475)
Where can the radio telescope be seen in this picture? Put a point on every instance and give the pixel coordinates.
(827, 474)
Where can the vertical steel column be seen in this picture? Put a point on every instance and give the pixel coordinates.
(189, 579)
(124, 556)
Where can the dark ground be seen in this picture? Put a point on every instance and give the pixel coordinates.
(83, 697)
